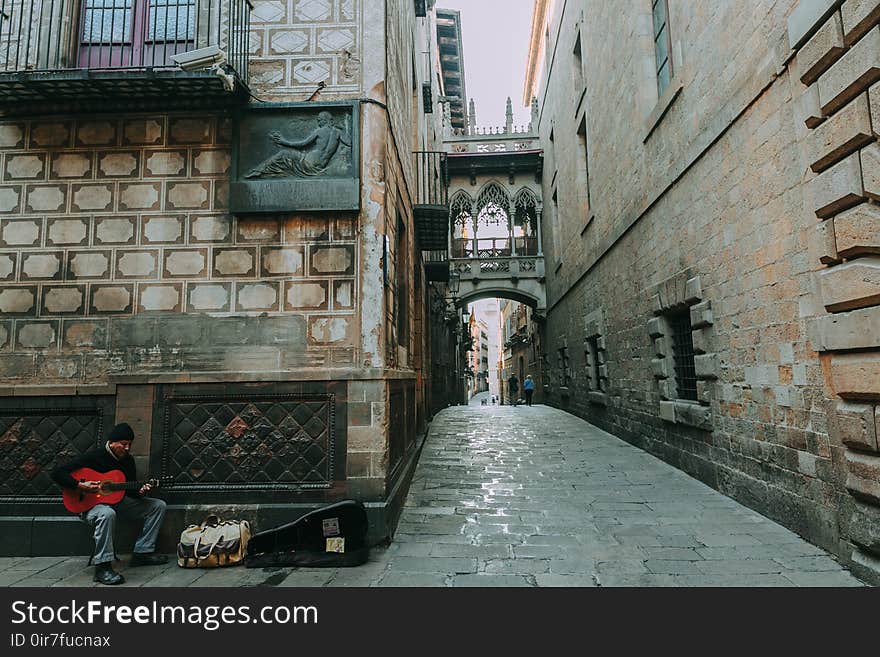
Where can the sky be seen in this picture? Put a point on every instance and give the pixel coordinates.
(495, 35)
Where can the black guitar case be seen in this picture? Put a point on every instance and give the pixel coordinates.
(332, 536)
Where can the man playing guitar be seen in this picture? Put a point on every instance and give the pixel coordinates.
(115, 455)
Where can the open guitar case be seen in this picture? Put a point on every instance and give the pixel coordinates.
(332, 536)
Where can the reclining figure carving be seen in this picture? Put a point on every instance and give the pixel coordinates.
(298, 162)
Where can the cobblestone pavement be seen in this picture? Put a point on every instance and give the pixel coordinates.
(526, 497)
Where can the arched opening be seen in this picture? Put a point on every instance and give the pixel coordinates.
(493, 228)
(462, 223)
(525, 223)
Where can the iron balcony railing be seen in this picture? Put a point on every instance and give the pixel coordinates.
(58, 35)
(433, 178)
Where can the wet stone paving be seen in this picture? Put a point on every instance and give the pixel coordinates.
(525, 497)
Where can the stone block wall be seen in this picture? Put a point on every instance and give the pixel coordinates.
(840, 68)
(120, 258)
(297, 44)
(736, 178)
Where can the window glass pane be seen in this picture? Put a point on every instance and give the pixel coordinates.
(171, 20)
(107, 21)
(659, 16)
(661, 49)
(663, 78)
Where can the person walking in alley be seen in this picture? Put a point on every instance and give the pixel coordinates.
(513, 389)
(529, 389)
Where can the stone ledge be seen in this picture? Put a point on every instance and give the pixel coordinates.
(663, 104)
(857, 329)
(688, 413)
(598, 398)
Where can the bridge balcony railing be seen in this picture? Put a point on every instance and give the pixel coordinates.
(499, 267)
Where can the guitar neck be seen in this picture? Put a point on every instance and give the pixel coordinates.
(128, 485)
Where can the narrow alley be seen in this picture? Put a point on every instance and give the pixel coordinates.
(532, 496)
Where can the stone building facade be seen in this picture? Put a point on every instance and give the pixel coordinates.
(712, 244)
(269, 361)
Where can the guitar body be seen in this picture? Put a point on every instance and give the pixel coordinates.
(77, 501)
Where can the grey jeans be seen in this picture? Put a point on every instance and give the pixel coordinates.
(102, 518)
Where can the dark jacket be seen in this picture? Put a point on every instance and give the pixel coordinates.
(97, 459)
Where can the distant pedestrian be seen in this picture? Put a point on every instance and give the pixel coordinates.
(529, 388)
(513, 389)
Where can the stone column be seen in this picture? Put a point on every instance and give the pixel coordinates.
(538, 213)
(475, 219)
(511, 226)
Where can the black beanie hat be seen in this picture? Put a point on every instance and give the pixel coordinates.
(120, 432)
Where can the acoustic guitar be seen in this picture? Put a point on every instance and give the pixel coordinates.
(112, 489)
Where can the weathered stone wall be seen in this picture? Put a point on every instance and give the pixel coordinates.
(703, 201)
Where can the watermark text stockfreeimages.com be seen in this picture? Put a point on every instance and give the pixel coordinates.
(209, 617)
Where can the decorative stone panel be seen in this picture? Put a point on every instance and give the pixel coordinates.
(210, 228)
(159, 298)
(139, 196)
(18, 300)
(137, 264)
(234, 262)
(39, 433)
(147, 132)
(94, 198)
(25, 167)
(336, 260)
(307, 296)
(51, 134)
(96, 133)
(343, 295)
(67, 232)
(119, 164)
(209, 297)
(36, 335)
(111, 299)
(165, 163)
(7, 265)
(282, 262)
(88, 264)
(190, 263)
(253, 441)
(116, 230)
(257, 297)
(71, 165)
(10, 198)
(41, 266)
(158, 230)
(46, 198)
(21, 232)
(63, 300)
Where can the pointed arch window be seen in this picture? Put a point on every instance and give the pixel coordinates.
(525, 223)
(462, 226)
(493, 227)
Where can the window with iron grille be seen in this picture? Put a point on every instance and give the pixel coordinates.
(683, 355)
(595, 382)
(564, 367)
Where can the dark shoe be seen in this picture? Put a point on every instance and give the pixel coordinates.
(147, 559)
(104, 574)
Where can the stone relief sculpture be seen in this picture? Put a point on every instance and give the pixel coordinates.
(307, 157)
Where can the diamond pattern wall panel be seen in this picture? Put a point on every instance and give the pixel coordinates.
(254, 442)
(34, 439)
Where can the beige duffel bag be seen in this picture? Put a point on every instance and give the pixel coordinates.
(213, 543)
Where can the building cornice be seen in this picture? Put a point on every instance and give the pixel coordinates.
(536, 41)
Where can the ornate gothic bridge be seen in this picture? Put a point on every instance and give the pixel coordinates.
(479, 216)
